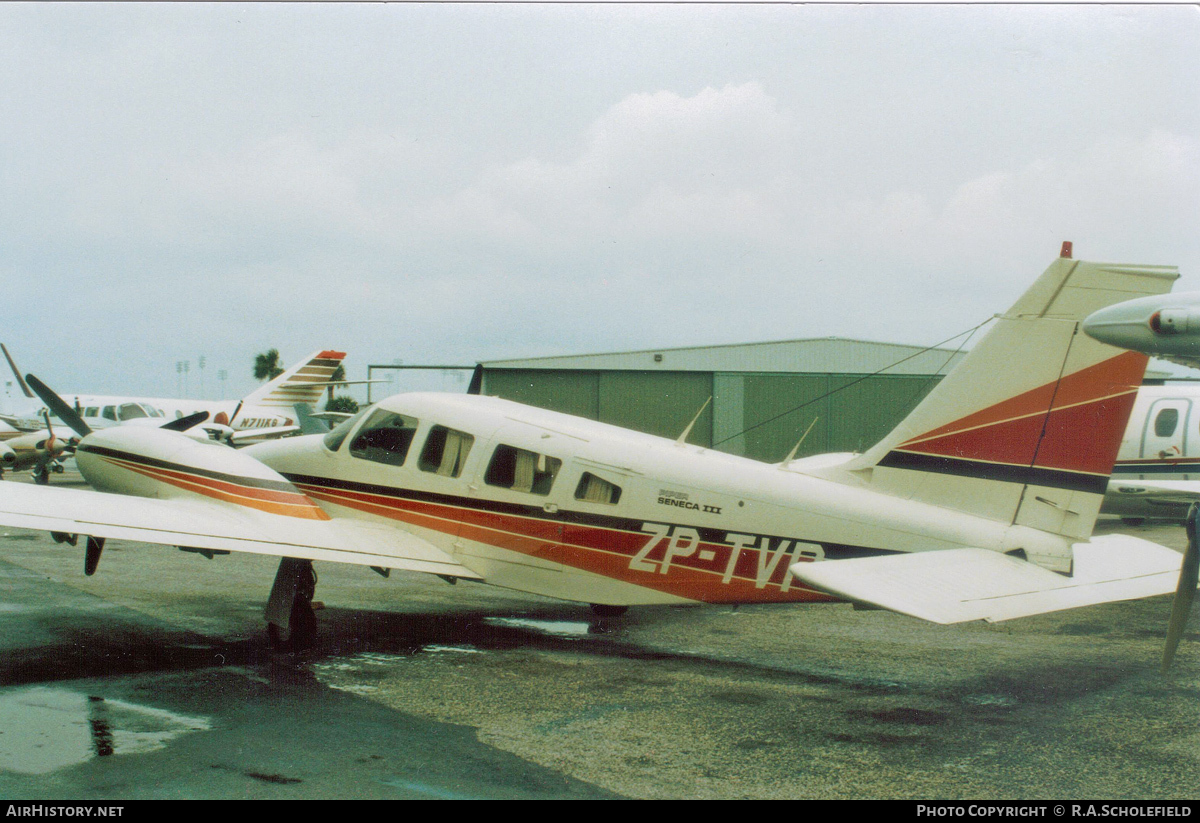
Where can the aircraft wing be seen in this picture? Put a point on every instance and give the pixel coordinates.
(202, 525)
(244, 437)
(956, 585)
(23, 424)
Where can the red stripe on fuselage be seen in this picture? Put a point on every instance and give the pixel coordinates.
(600, 550)
(1083, 430)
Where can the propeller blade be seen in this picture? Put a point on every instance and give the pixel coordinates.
(476, 385)
(185, 423)
(1186, 593)
(57, 405)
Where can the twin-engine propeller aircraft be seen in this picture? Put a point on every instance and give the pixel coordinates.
(979, 505)
(1167, 326)
(1157, 473)
(265, 413)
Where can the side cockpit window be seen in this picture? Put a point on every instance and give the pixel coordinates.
(522, 470)
(384, 438)
(593, 489)
(445, 451)
(131, 411)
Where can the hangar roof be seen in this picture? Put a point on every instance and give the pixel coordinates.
(818, 355)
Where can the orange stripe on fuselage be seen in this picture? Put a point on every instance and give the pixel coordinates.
(285, 503)
(600, 550)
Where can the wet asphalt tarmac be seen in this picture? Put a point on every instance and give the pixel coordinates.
(154, 679)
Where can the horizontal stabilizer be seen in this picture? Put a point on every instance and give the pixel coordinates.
(956, 585)
(203, 525)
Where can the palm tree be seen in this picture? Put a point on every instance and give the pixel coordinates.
(338, 374)
(267, 366)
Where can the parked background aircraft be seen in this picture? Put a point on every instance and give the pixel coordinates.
(1157, 473)
(266, 412)
(1167, 326)
(979, 505)
(268, 409)
(29, 441)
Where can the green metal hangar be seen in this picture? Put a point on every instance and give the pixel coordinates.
(764, 395)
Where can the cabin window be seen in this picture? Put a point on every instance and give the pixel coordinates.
(1165, 422)
(384, 438)
(337, 435)
(91, 411)
(521, 470)
(593, 489)
(110, 413)
(131, 411)
(445, 451)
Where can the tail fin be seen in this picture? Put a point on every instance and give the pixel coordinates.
(1026, 428)
(302, 383)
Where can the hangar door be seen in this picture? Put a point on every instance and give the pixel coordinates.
(658, 402)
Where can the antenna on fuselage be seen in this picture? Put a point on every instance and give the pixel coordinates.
(796, 447)
(682, 441)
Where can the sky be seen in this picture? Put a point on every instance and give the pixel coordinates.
(444, 183)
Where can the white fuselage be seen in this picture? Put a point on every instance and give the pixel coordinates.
(684, 524)
(1161, 443)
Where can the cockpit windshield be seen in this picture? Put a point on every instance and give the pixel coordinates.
(131, 411)
(337, 435)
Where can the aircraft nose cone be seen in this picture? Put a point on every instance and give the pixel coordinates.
(1160, 324)
(1125, 325)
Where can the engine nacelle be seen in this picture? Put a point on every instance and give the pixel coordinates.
(151, 462)
(1174, 321)
(8, 457)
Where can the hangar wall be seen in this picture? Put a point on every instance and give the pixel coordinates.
(759, 408)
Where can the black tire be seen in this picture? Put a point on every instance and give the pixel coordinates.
(601, 610)
(302, 629)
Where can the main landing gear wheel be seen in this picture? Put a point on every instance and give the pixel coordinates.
(295, 585)
(41, 476)
(301, 632)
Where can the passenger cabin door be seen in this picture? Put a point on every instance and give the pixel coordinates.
(1164, 439)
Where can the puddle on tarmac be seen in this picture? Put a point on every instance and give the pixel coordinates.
(557, 628)
(44, 729)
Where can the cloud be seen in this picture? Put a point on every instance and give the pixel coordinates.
(1129, 188)
(654, 164)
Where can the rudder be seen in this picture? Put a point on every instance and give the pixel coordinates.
(1026, 428)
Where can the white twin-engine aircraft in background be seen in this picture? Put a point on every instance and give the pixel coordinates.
(979, 505)
(28, 440)
(1157, 473)
(266, 412)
